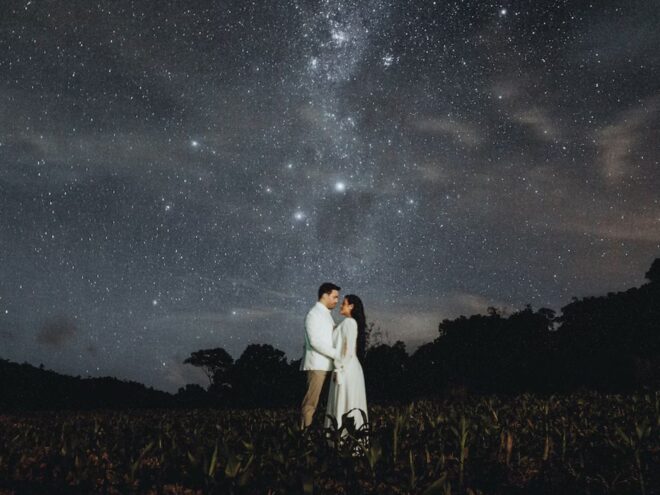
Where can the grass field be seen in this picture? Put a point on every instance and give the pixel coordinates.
(586, 443)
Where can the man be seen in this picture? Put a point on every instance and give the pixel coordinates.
(318, 353)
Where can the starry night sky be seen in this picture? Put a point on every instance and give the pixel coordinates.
(183, 175)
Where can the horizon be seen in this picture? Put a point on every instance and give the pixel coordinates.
(385, 339)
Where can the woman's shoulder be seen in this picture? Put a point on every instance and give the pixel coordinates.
(349, 323)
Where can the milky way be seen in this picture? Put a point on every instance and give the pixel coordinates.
(183, 175)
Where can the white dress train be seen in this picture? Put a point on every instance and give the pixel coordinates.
(347, 390)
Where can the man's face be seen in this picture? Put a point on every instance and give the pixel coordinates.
(330, 300)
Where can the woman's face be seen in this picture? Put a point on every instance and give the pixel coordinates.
(346, 308)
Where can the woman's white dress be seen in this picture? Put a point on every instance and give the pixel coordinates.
(347, 390)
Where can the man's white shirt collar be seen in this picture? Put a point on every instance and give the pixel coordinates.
(318, 303)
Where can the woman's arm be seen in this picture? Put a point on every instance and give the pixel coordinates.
(349, 341)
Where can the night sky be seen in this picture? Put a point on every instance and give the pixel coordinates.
(183, 175)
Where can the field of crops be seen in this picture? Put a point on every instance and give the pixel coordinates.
(587, 443)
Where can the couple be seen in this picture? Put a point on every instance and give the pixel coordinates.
(334, 350)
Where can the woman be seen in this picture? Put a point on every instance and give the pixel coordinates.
(347, 392)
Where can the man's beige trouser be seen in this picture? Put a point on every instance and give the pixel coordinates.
(315, 380)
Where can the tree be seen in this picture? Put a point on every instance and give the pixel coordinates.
(653, 275)
(376, 335)
(215, 363)
(385, 368)
(192, 395)
(262, 377)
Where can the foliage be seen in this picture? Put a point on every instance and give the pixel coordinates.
(262, 377)
(579, 443)
(215, 363)
(23, 386)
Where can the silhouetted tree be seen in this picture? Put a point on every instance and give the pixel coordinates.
(384, 369)
(653, 275)
(193, 395)
(260, 377)
(377, 335)
(426, 376)
(612, 342)
(489, 353)
(26, 387)
(215, 363)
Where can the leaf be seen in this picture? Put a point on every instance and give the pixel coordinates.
(333, 422)
(214, 461)
(233, 466)
(308, 484)
(136, 464)
(437, 487)
(374, 453)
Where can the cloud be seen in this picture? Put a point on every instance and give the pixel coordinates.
(466, 304)
(632, 228)
(233, 329)
(413, 323)
(178, 374)
(539, 121)
(263, 290)
(235, 316)
(57, 331)
(460, 131)
(555, 201)
(415, 328)
(563, 209)
(435, 172)
(622, 142)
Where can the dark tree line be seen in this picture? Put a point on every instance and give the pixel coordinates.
(607, 343)
(260, 377)
(26, 387)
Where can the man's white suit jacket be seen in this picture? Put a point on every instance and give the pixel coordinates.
(318, 353)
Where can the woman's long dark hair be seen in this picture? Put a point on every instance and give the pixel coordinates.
(358, 315)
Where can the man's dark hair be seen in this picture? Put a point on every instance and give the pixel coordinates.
(327, 288)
